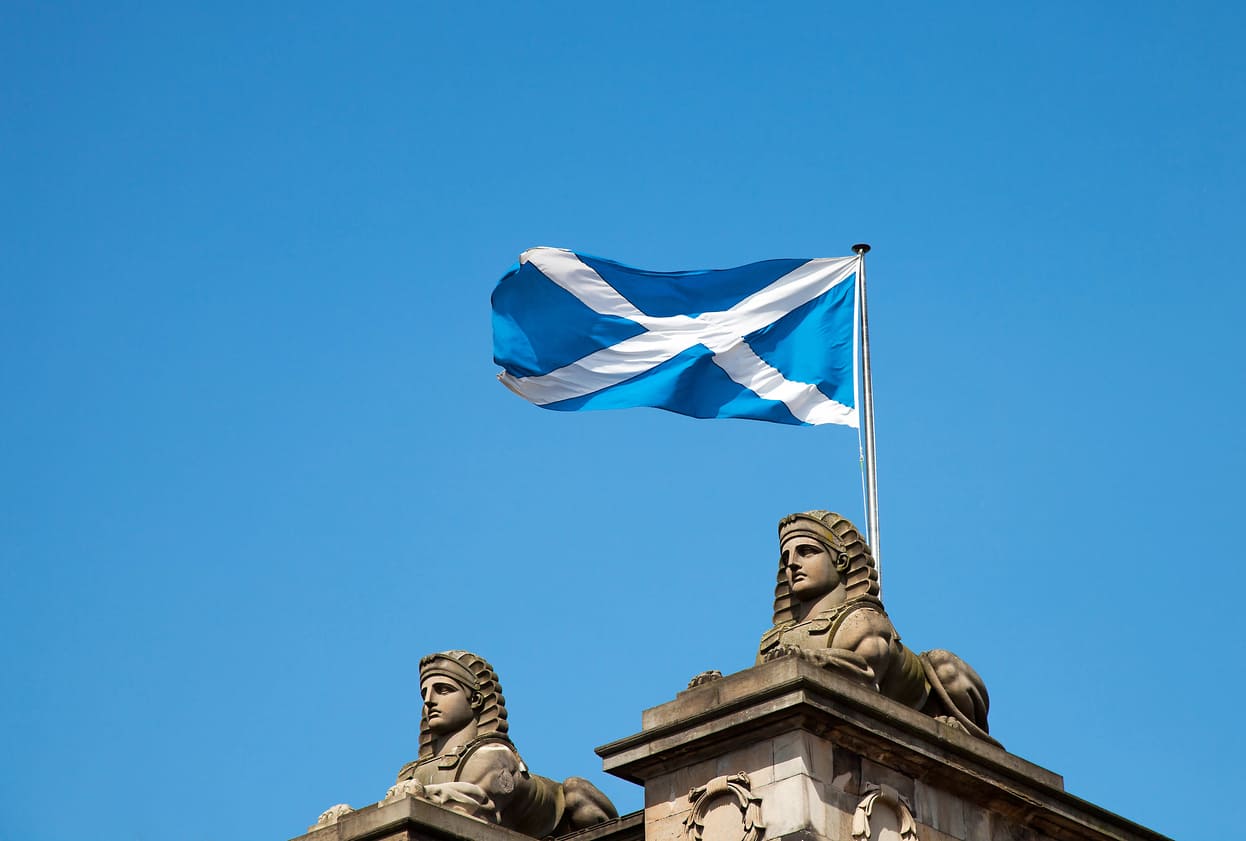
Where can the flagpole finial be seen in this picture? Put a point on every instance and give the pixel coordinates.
(861, 248)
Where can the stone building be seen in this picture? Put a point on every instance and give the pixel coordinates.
(787, 751)
(839, 733)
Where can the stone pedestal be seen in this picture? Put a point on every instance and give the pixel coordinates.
(408, 819)
(787, 750)
(412, 819)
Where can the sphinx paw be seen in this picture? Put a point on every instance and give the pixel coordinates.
(781, 651)
(705, 677)
(331, 815)
(407, 787)
(951, 721)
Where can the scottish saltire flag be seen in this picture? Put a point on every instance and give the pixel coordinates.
(773, 341)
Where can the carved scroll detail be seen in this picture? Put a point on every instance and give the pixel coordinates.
(891, 799)
(735, 786)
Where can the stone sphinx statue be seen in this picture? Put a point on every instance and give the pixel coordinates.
(468, 763)
(827, 610)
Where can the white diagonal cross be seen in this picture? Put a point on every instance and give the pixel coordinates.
(666, 337)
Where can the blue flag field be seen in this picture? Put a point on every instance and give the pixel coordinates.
(773, 341)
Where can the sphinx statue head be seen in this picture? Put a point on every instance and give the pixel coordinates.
(461, 694)
(847, 563)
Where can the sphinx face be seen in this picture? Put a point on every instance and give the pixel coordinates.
(446, 704)
(808, 566)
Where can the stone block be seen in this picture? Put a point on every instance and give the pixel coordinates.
(676, 807)
(821, 759)
(838, 820)
(872, 772)
(667, 829)
(846, 770)
(836, 800)
(941, 809)
(1006, 830)
(697, 774)
(791, 754)
(819, 815)
(785, 806)
(755, 760)
(925, 832)
(661, 790)
(977, 824)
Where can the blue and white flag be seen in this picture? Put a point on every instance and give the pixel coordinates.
(772, 341)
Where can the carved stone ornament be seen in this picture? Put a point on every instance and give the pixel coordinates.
(893, 822)
(724, 825)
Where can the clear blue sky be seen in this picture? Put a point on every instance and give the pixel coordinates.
(255, 461)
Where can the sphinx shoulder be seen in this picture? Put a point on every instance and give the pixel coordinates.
(866, 624)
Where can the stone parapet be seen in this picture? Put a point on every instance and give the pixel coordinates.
(790, 750)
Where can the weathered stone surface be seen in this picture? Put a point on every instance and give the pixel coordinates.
(788, 806)
(827, 610)
(792, 755)
(977, 824)
(830, 742)
(942, 810)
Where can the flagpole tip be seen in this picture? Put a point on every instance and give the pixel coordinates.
(861, 248)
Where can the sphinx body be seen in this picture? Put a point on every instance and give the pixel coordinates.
(827, 610)
(468, 763)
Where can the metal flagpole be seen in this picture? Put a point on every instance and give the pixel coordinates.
(867, 418)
